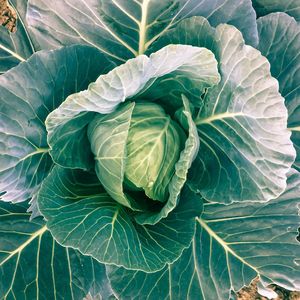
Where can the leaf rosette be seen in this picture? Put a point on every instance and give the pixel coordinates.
(159, 128)
(141, 153)
(149, 146)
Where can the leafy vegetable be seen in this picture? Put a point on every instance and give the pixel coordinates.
(158, 150)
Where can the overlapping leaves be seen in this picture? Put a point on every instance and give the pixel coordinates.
(232, 245)
(124, 29)
(244, 153)
(242, 118)
(282, 51)
(265, 7)
(34, 266)
(174, 70)
(28, 93)
(80, 214)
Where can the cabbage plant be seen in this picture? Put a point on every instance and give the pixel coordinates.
(149, 149)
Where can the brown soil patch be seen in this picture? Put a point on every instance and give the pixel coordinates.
(8, 16)
(250, 293)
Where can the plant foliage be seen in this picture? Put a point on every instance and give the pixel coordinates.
(149, 149)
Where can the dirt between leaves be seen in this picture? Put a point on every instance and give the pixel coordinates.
(8, 16)
(250, 293)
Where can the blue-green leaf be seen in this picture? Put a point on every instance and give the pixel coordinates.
(126, 28)
(34, 266)
(245, 149)
(166, 74)
(195, 31)
(264, 7)
(15, 47)
(80, 214)
(280, 43)
(233, 244)
(28, 93)
(242, 119)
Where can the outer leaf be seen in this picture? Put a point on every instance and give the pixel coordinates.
(15, 47)
(28, 93)
(34, 266)
(233, 110)
(159, 76)
(125, 28)
(195, 31)
(245, 149)
(264, 7)
(82, 215)
(280, 43)
(233, 244)
(238, 13)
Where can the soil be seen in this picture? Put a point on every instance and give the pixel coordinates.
(8, 16)
(250, 293)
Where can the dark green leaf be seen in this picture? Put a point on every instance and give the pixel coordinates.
(126, 28)
(232, 245)
(80, 214)
(264, 7)
(28, 93)
(34, 266)
(245, 150)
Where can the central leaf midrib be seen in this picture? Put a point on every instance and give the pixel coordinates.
(296, 128)
(20, 248)
(142, 26)
(218, 117)
(12, 53)
(224, 245)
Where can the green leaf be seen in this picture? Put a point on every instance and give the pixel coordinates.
(108, 136)
(80, 214)
(264, 7)
(245, 149)
(227, 168)
(280, 43)
(126, 28)
(34, 266)
(15, 47)
(182, 167)
(124, 157)
(195, 31)
(153, 146)
(109, 141)
(238, 13)
(28, 93)
(233, 244)
(158, 75)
